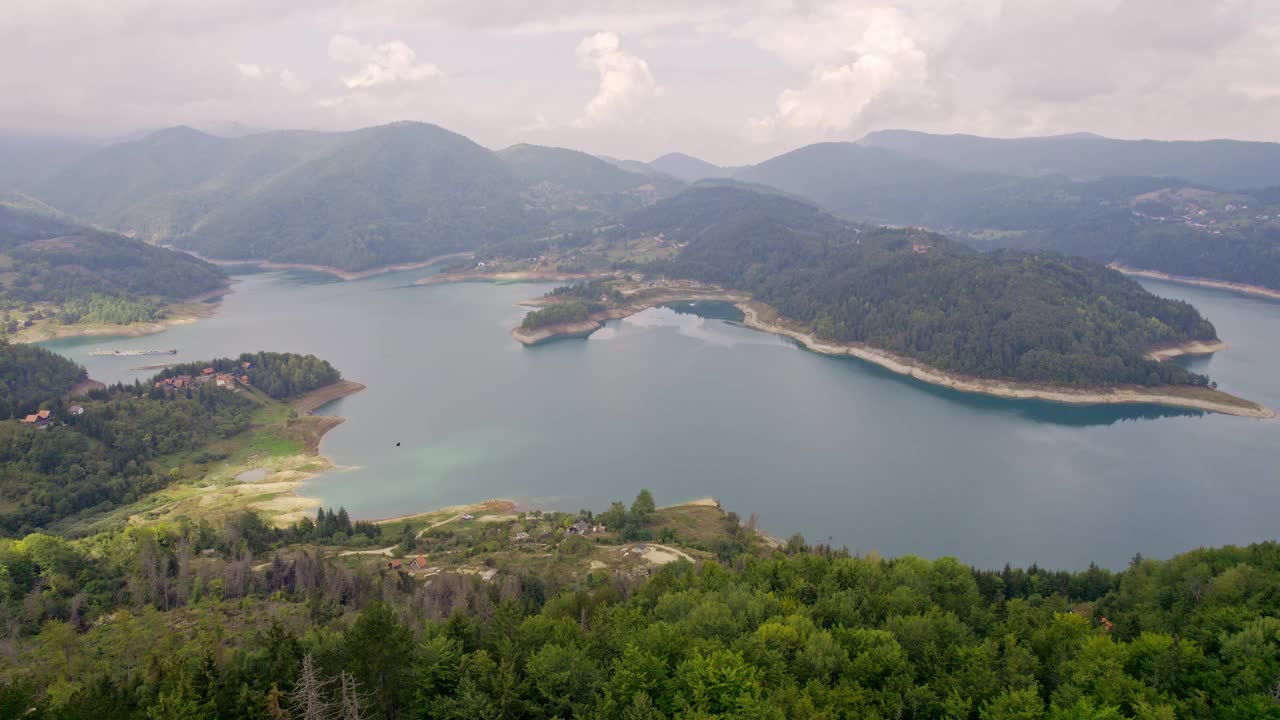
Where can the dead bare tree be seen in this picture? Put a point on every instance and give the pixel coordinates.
(352, 699)
(310, 697)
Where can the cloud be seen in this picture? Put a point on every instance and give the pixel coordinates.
(389, 64)
(625, 82)
(857, 60)
(284, 78)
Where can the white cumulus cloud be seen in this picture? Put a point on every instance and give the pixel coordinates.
(387, 64)
(877, 60)
(625, 81)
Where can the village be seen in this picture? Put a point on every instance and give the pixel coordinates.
(207, 375)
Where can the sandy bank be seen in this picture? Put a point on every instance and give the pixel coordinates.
(761, 317)
(1245, 288)
(327, 269)
(596, 320)
(547, 333)
(1193, 347)
(508, 277)
(319, 397)
(180, 313)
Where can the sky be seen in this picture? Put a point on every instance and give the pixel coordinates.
(732, 81)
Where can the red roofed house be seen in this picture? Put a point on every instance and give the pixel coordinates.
(418, 563)
(394, 564)
(40, 419)
(207, 371)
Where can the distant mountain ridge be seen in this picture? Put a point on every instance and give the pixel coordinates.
(1225, 164)
(382, 195)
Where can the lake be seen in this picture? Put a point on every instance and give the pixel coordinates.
(689, 407)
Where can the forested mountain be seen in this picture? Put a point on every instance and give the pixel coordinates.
(1226, 164)
(31, 375)
(28, 160)
(1005, 315)
(56, 268)
(689, 168)
(394, 193)
(1114, 219)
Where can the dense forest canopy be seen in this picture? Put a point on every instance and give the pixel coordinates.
(200, 621)
(31, 375)
(280, 375)
(1007, 315)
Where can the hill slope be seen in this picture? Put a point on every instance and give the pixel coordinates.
(1009, 315)
(57, 269)
(396, 193)
(689, 168)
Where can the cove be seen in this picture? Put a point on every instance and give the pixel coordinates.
(693, 406)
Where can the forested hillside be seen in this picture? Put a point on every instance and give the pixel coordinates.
(128, 440)
(1101, 219)
(1007, 315)
(56, 268)
(31, 375)
(201, 621)
(395, 193)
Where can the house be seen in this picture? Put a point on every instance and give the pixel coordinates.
(579, 528)
(394, 564)
(207, 371)
(246, 365)
(468, 517)
(919, 249)
(76, 409)
(418, 563)
(40, 419)
(244, 379)
(521, 536)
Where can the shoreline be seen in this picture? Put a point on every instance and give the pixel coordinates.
(1170, 396)
(758, 316)
(290, 504)
(1236, 287)
(327, 269)
(595, 321)
(1191, 347)
(515, 276)
(184, 312)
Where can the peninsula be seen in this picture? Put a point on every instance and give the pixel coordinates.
(621, 298)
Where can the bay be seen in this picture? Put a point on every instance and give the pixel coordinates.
(689, 406)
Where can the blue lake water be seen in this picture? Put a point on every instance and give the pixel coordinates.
(691, 407)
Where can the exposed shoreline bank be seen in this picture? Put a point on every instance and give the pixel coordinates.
(286, 483)
(758, 316)
(508, 277)
(184, 312)
(1242, 288)
(327, 269)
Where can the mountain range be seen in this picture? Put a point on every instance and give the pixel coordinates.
(412, 191)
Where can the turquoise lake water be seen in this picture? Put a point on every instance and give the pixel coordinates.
(692, 407)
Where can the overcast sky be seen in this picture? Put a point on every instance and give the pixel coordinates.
(729, 80)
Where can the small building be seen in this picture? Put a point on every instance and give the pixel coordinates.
(207, 371)
(76, 409)
(394, 564)
(521, 536)
(579, 528)
(419, 562)
(39, 419)
(468, 517)
(246, 365)
(244, 379)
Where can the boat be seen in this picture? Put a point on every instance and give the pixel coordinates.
(131, 353)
